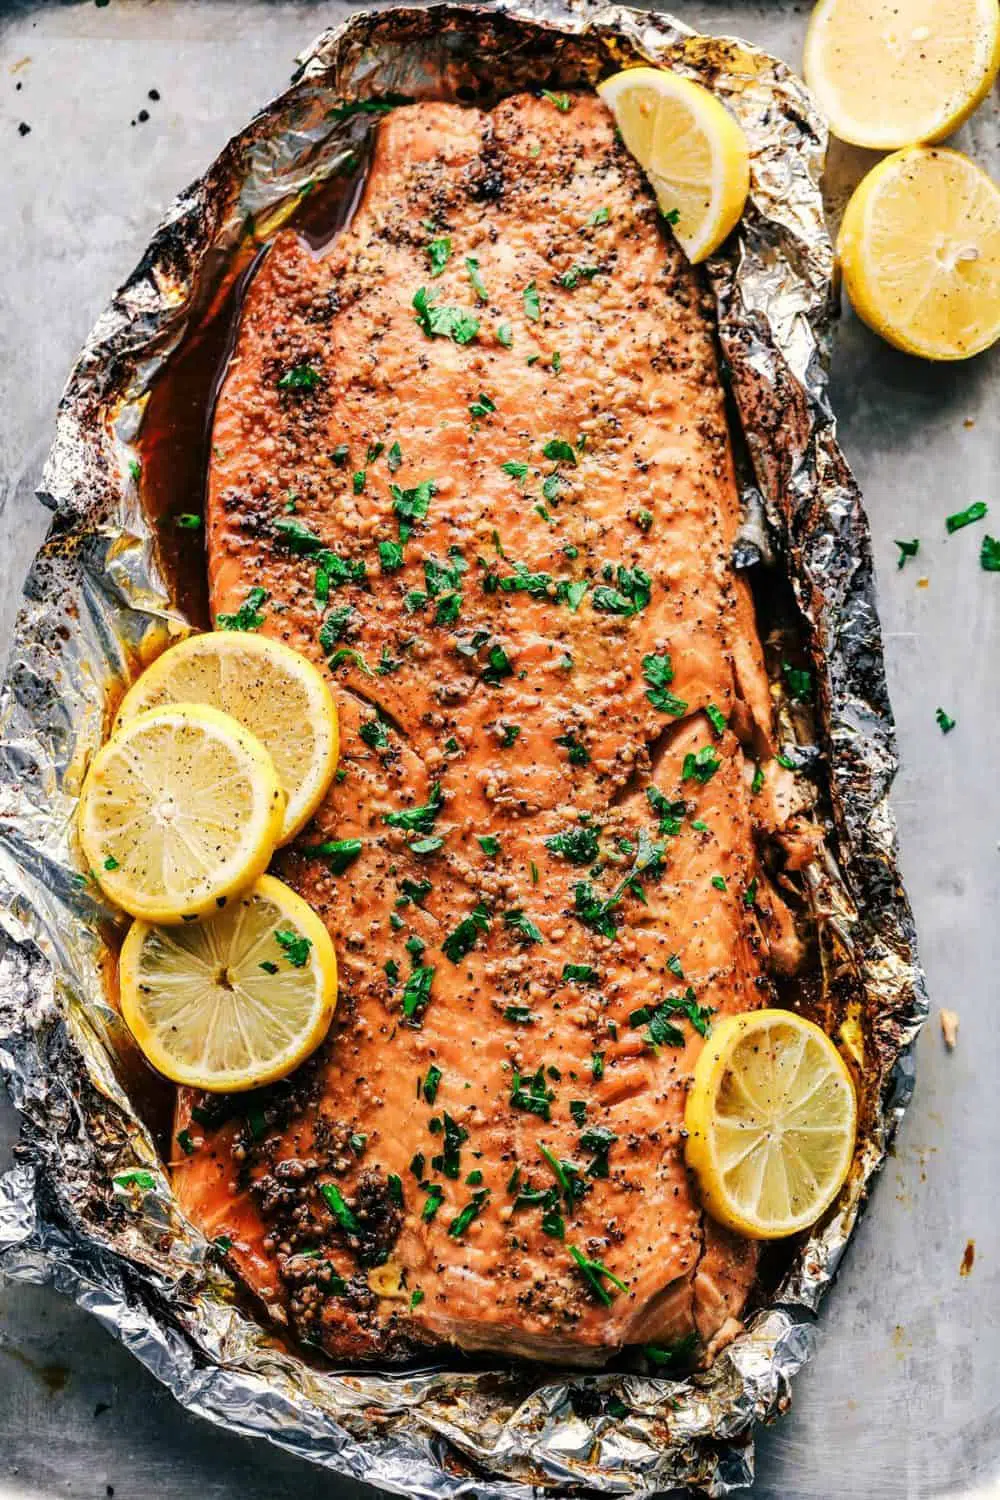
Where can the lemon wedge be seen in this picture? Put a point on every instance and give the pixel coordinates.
(235, 1001)
(691, 149)
(920, 251)
(274, 691)
(891, 73)
(771, 1120)
(181, 809)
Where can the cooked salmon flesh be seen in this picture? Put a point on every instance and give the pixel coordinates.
(472, 459)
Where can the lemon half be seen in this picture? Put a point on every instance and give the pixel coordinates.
(920, 251)
(181, 809)
(771, 1121)
(691, 149)
(271, 689)
(891, 73)
(236, 1001)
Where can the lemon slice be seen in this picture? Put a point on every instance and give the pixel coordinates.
(180, 810)
(771, 1119)
(271, 689)
(235, 1001)
(692, 150)
(890, 73)
(920, 251)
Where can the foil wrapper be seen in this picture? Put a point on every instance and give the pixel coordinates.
(88, 1206)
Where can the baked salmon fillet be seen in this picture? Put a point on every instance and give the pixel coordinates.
(473, 461)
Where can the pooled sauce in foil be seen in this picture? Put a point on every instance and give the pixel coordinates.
(176, 434)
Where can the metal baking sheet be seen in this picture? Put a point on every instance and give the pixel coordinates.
(931, 392)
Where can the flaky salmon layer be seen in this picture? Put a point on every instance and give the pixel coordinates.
(474, 461)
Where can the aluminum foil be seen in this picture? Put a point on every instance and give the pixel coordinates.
(87, 1206)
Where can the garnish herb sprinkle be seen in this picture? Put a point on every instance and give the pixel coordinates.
(295, 947)
(531, 1094)
(798, 681)
(429, 1087)
(435, 1198)
(758, 779)
(417, 990)
(716, 718)
(505, 335)
(975, 512)
(339, 853)
(719, 882)
(453, 323)
(482, 407)
(579, 845)
(562, 102)
(519, 922)
(520, 1015)
(659, 673)
(462, 939)
(559, 451)
(599, 216)
(700, 765)
(489, 844)
(577, 273)
(579, 974)
(595, 1273)
(944, 721)
(532, 306)
(439, 253)
(471, 1211)
(187, 522)
(630, 596)
(472, 266)
(338, 1207)
(418, 819)
(300, 378)
(394, 458)
(906, 551)
(248, 616)
(597, 1065)
(989, 555)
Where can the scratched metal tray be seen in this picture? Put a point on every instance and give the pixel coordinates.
(899, 1402)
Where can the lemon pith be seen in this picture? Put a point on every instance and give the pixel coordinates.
(771, 1119)
(236, 1001)
(268, 687)
(920, 250)
(692, 150)
(180, 809)
(934, 60)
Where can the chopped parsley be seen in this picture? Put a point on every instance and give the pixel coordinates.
(974, 512)
(595, 1273)
(578, 754)
(472, 1210)
(599, 216)
(439, 253)
(520, 1015)
(719, 882)
(799, 682)
(248, 616)
(358, 481)
(374, 734)
(700, 765)
(335, 627)
(577, 273)
(417, 990)
(562, 102)
(505, 335)
(630, 596)
(662, 1032)
(906, 551)
(430, 1085)
(509, 736)
(670, 1356)
(989, 555)
(489, 844)
(187, 522)
(716, 718)
(944, 721)
(462, 939)
(515, 469)
(579, 974)
(455, 1136)
(670, 814)
(434, 1200)
(532, 306)
(111, 863)
(411, 505)
(338, 853)
(394, 458)
(444, 322)
(598, 1139)
(659, 673)
(597, 1065)
(295, 947)
(531, 1094)
(144, 1180)
(302, 377)
(559, 451)
(472, 266)
(335, 1202)
(556, 362)
(418, 819)
(519, 922)
(482, 407)
(579, 845)
(757, 784)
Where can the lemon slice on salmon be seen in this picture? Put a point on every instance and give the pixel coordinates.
(891, 73)
(236, 1001)
(180, 809)
(771, 1120)
(691, 149)
(920, 250)
(271, 689)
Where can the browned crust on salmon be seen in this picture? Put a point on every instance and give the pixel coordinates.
(539, 1106)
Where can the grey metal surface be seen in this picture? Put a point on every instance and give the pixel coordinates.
(900, 1399)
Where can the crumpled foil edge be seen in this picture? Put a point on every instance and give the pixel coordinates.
(94, 593)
